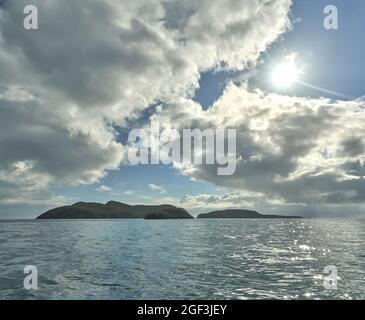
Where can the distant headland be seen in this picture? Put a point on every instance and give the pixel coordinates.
(241, 214)
(118, 210)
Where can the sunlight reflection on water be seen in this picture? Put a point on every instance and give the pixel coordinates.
(195, 259)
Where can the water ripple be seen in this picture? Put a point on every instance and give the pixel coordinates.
(195, 259)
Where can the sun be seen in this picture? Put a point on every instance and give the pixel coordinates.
(286, 73)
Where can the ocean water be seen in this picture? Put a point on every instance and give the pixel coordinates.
(187, 259)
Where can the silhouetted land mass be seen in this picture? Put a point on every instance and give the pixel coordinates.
(241, 214)
(118, 210)
(115, 210)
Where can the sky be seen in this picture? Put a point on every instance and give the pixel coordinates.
(71, 91)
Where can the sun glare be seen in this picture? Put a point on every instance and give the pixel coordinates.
(285, 74)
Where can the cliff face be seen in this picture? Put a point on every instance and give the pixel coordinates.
(240, 214)
(114, 210)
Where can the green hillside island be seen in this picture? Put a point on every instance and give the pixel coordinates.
(115, 210)
(118, 210)
(241, 214)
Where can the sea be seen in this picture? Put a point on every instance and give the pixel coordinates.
(183, 259)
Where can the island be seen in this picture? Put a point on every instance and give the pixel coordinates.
(241, 214)
(115, 210)
(119, 210)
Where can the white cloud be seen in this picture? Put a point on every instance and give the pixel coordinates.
(155, 187)
(104, 188)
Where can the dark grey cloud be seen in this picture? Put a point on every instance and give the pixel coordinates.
(353, 146)
(31, 133)
(354, 168)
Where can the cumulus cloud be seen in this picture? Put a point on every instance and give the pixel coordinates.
(93, 65)
(300, 151)
(231, 200)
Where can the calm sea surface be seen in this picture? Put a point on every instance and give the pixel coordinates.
(187, 259)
